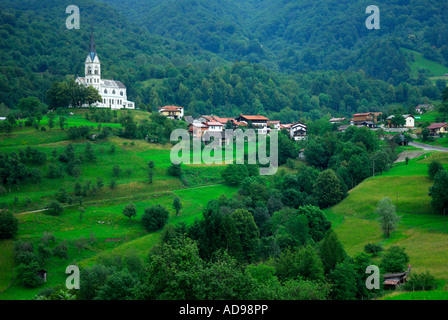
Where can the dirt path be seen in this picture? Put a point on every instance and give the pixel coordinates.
(93, 202)
(410, 154)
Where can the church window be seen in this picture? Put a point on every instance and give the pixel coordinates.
(121, 93)
(90, 70)
(113, 92)
(105, 90)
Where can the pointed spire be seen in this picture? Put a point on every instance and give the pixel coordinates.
(92, 46)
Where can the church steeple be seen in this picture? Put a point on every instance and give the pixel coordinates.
(92, 64)
(92, 46)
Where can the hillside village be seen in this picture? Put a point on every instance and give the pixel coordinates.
(88, 179)
(298, 130)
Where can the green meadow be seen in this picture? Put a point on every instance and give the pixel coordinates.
(420, 62)
(423, 233)
(103, 228)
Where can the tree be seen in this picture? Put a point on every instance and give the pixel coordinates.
(331, 251)
(387, 216)
(118, 286)
(130, 211)
(425, 135)
(154, 218)
(116, 171)
(55, 208)
(92, 279)
(234, 174)
(58, 95)
(9, 225)
(439, 191)
(343, 277)
(151, 166)
(398, 120)
(317, 222)
(30, 106)
(175, 170)
(44, 252)
(92, 95)
(62, 122)
(420, 282)
(177, 205)
(394, 260)
(246, 232)
(89, 153)
(82, 210)
(433, 167)
(327, 189)
(27, 274)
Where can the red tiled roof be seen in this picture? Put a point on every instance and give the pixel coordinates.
(438, 125)
(171, 108)
(257, 117)
(361, 114)
(214, 123)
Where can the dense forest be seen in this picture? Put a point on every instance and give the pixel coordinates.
(307, 60)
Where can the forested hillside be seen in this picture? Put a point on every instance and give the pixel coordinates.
(299, 35)
(289, 59)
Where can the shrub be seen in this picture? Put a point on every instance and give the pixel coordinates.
(433, 167)
(155, 218)
(55, 208)
(420, 282)
(394, 260)
(27, 275)
(175, 170)
(9, 225)
(60, 251)
(373, 249)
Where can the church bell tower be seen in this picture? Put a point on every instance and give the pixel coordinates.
(92, 65)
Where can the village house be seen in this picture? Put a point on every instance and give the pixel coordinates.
(214, 126)
(275, 124)
(337, 120)
(197, 129)
(297, 131)
(259, 122)
(394, 280)
(436, 129)
(409, 118)
(172, 112)
(421, 108)
(368, 119)
(343, 127)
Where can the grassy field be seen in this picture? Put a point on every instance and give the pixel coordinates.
(115, 234)
(103, 227)
(420, 62)
(423, 234)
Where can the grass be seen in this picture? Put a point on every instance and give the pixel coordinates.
(425, 236)
(116, 235)
(6, 263)
(420, 62)
(418, 295)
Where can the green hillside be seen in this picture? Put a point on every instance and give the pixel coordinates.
(423, 234)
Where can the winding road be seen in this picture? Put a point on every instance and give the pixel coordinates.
(427, 147)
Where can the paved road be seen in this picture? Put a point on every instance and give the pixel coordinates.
(427, 147)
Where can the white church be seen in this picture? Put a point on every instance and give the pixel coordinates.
(113, 92)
